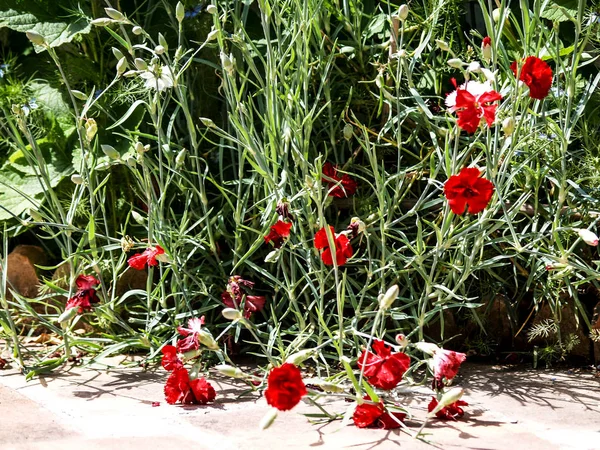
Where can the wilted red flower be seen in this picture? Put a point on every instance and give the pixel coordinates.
(468, 188)
(285, 387)
(279, 232)
(536, 74)
(85, 295)
(472, 102)
(343, 249)
(446, 363)
(179, 388)
(139, 260)
(450, 412)
(382, 368)
(191, 334)
(170, 361)
(375, 415)
(338, 187)
(235, 295)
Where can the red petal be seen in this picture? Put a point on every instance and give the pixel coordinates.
(170, 361)
(177, 386)
(321, 237)
(285, 387)
(203, 391)
(138, 261)
(84, 282)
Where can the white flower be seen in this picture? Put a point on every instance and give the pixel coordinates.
(474, 67)
(475, 88)
(158, 77)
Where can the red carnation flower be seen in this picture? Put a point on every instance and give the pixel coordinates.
(450, 412)
(191, 334)
(279, 232)
(285, 387)
(375, 416)
(179, 388)
(468, 189)
(472, 102)
(382, 368)
(343, 249)
(235, 295)
(170, 361)
(85, 295)
(446, 363)
(486, 48)
(139, 260)
(203, 391)
(536, 74)
(338, 187)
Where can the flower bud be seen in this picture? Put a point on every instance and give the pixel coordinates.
(212, 35)
(227, 62)
(91, 128)
(299, 357)
(67, 315)
(180, 158)
(110, 151)
(496, 15)
(114, 14)
(36, 38)
(117, 53)
(442, 45)
(456, 63)
(206, 339)
(403, 12)
(426, 347)
(508, 126)
(474, 67)
(207, 122)
(36, 215)
(348, 131)
(588, 237)
(448, 398)
(159, 49)
(389, 297)
(76, 178)
(268, 419)
(139, 219)
(139, 147)
(212, 9)
(402, 341)
(137, 30)
(272, 256)
(231, 314)
(79, 95)
(230, 371)
(121, 66)
(101, 22)
(180, 12)
(486, 48)
(140, 64)
(162, 41)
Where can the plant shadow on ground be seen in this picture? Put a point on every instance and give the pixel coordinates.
(541, 387)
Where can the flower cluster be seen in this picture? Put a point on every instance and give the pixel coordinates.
(181, 387)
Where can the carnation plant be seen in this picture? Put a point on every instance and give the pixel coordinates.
(316, 183)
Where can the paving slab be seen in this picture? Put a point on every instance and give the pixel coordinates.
(87, 408)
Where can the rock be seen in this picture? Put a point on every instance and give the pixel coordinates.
(497, 320)
(131, 279)
(21, 271)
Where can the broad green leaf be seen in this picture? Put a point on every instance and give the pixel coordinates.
(56, 29)
(560, 10)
